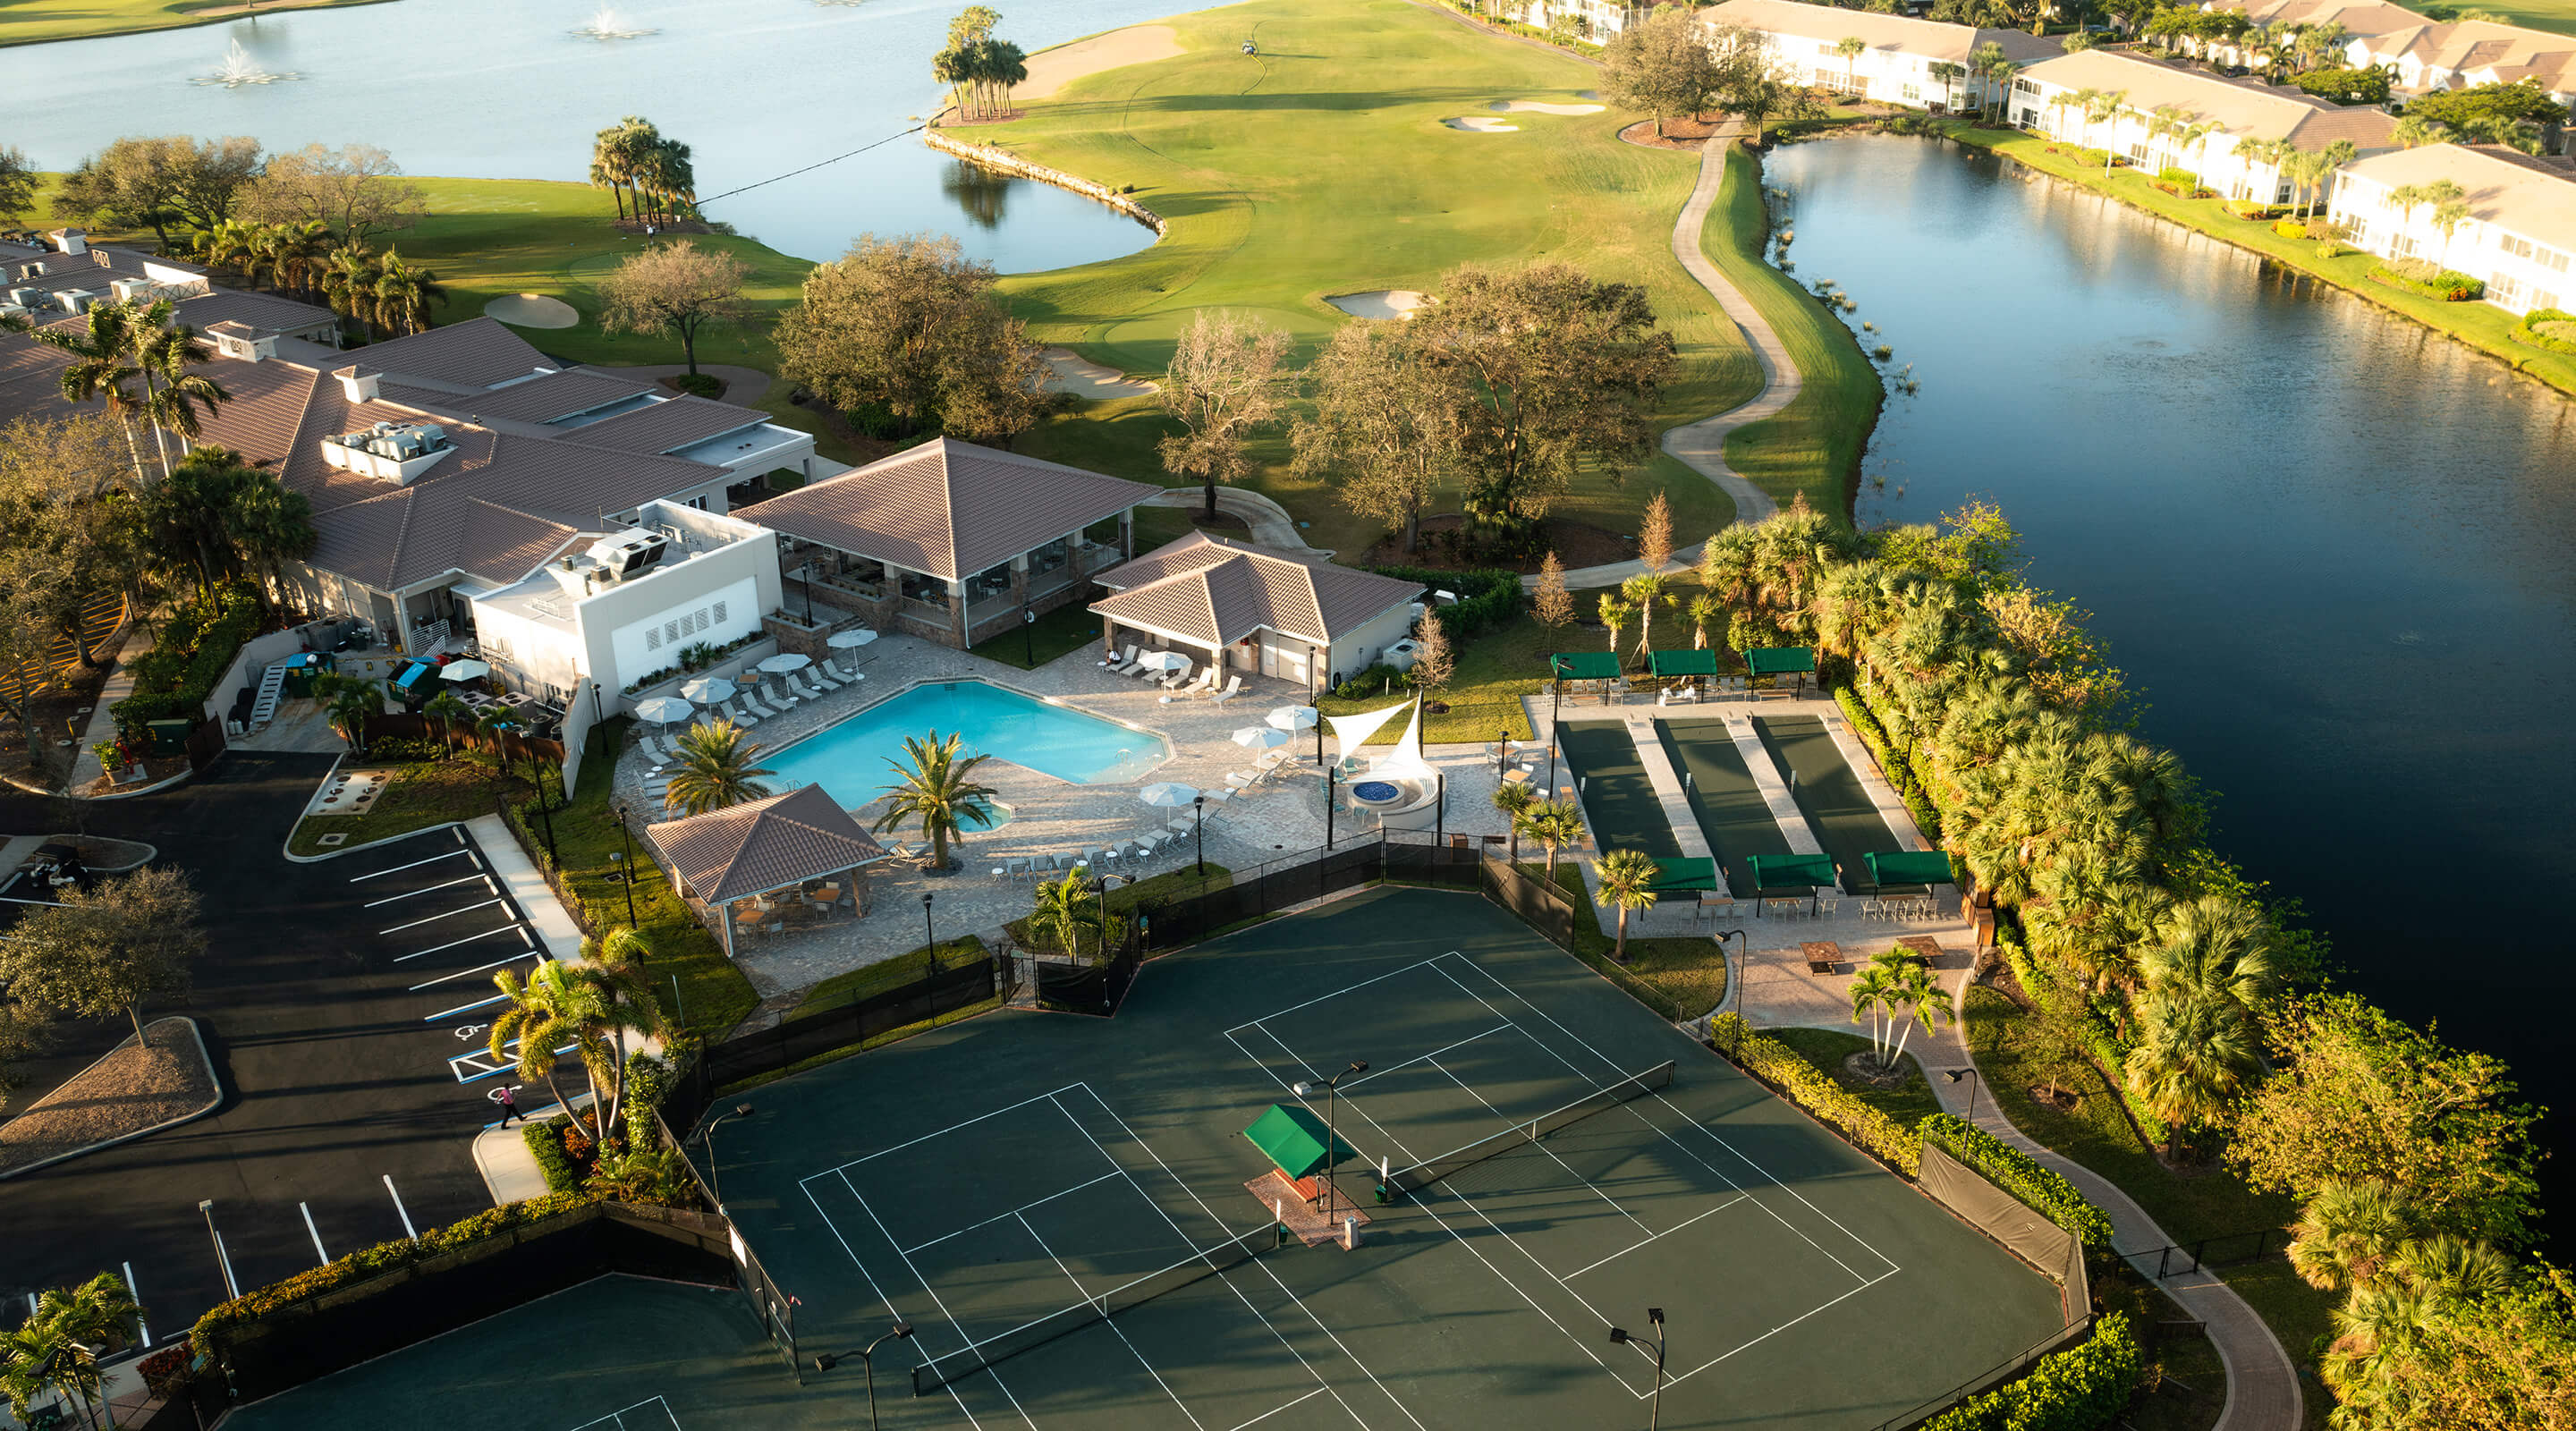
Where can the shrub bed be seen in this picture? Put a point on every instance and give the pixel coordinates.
(1780, 1067)
(545, 1144)
(2101, 1044)
(1489, 598)
(2291, 229)
(2417, 276)
(2044, 1192)
(2254, 210)
(2078, 1389)
(196, 647)
(1907, 780)
(2550, 328)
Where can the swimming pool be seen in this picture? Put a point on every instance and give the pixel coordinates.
(849, 759)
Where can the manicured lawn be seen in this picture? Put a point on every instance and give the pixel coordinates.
(423, 793)
(2558, 15)
(1064, 629)
(2480, 325)
(894, 973)
(27, 21)
(1827, 1049)
(1321, 167)
(1814, 445)
(1677, 978)
(712, 992)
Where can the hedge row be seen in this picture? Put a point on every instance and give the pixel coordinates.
(1800, 1082)
(2445, 284)
(1907, 780)
(2042, 1191)
(545, 1144)
(2550, 328)
(376, 1261)
(196, 647)
(1489, 598)
(2079, 1389)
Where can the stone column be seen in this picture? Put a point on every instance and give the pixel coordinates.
(1020, 579)
(1127, 535)
(957, 613)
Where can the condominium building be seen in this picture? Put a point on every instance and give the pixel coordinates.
(2519, 233)
(1895, 60)
(2154, 97)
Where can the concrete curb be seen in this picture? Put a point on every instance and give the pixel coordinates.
(212, 1104)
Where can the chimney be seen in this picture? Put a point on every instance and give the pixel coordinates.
(356, 386)
(72, 241)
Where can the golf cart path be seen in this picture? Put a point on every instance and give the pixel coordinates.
(1271, 525)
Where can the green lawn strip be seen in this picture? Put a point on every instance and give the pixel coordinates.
(421, 794)
(1814, 445)
(1150, 893)
(2480, 325)
(712, 992)
(1321, 167)
(1827, 1049)
(856, 984)
(1677, 978)
(1067, 628)
(2558, 15)
(2097, 1134)
(31, 22)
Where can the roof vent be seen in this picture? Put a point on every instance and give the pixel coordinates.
(72, 240)
(76, 300)
(127, 290)
(356, 386)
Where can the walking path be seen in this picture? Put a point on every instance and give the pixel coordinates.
(1271, 525)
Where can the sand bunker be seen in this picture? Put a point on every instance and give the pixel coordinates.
(532, 310)
(1482, 126)
(1534, 106)
(1051, 70)
(1070, 372)
(1380, 302)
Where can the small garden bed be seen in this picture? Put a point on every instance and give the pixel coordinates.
(427, 789)
(2549, 328)
(1908, 1102)
(2417, 276)
(132, 1091)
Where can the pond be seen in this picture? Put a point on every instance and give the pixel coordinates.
(2334, 551)
(509, 89)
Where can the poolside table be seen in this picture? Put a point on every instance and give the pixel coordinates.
(1922, 944)
(1822, 955)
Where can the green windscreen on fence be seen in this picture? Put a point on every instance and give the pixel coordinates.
(1780, 660)
(1683, 663)
(1584, 665)
(1907, 867)
(1791, 871)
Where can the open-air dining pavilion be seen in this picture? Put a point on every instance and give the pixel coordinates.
(766, 867)
(951, 541)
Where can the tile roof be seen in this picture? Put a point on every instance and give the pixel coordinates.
(665, 427)
(476, 353)
(261, 312)
(1929, 39)
(950, 509)
(2510, 190)
(763, 845)
(1217, 592)
(2359, 18)
(2240, 107)
(551, 398)
(2465, 46)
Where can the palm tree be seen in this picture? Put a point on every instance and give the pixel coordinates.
(1064, 910)
(2414, 131)
(612, 969)
(1871, 991)
(405, 293)
(173, 396)
(2348, 1232)
(2217, 950)
(1512, 799)
(349, 709)
(1851, 48)
(715, 770)
(235, 244)
(2253, 150)
(1553, 825)
(1704, 613)
(349, 284)
(1614, 613)
(2104, 109)
(1948, 75)
(296, 252)
(1919, 998)
(2448, 215)
(2191, 1059)
(939, 791)
(2426, 1283)
(493, 722)
(59, 1344)
(448, 709)
(547, 1011)
(1627, 883)
(1643, 590)
(103, 369)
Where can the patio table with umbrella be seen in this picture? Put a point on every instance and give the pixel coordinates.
(1260, 737)
(709, 690)
(851, 639)
(463, 671)
(1297, 718)
(782, 664)
(664, 711)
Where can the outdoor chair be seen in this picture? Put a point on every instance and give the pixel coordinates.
(819, 682)
(1233, 688)
(777, 694)
(750, 705)
(834, 666)
(1181, 681)
(1825, 907)
(1116, 662)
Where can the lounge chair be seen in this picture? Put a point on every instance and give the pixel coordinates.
(750, 705)
(1178, 681)
(825, 677)
(777, 694)
(654, 747)
(1242, 780)
(1233, 688)
(738, 711)
(833, 665)
(1154, 674)
(1120, 663)
(808, 684)
(1206, 682)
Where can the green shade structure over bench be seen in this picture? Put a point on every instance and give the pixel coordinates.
(1907, 867)
(1791, 871)
(1584, 666)
(1684, 663)
(1780, 660)
(1684, 876)
(1294, 1139)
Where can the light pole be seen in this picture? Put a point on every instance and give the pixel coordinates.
(1198, 807)
(1332, 1140)
(1955, 1075)
(1502, 752)
(715, 1183)
(929, 940)
(1332, 783)
(1555, 706)
(1028, 637)
(222, 1259)
(628, 859)
(825, 1361)
(1619, 1337)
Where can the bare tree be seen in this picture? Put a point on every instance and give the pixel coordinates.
(355, 190)
(1655, 535)
(675, 287)
(1435, 663)
(1386, 424)
(107, 950)
(1224, 384)
(1552, 602)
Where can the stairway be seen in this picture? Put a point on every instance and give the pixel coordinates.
(272, 685)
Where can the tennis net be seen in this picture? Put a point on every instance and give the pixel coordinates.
(1608, 1096)
(931, 1375)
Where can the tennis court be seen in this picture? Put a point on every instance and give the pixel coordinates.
(1001, 1184)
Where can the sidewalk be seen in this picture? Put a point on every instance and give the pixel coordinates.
(527, 886)
(1271, 525)
(102, 725)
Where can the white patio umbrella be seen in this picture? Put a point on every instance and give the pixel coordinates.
(1294, 717)
(463, 670)
(663, 710)
(1260, 737)
(784, 662)
(1162, 660)
(709, 690)
(1169, 793)
(851, 639)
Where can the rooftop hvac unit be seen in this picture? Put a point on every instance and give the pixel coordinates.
(626, 555)
(28, 297)
(404, 441)
(12, 310)
(129, 289)
(32, 270)
(76, 300)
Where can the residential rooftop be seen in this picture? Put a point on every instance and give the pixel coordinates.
(1930, 39)
(2240, 107)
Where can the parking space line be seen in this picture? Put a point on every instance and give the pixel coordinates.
(466, 973)
(468, 939)
(137, 1298)
(429, 889)
(307, 1210)
(458, 1064)
(463, 1008)
(443, 914)
(416, 864)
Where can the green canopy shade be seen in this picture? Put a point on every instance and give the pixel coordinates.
(1294, 1139)
(1684, 663)
(1780, 660)
(1585, 665)
(1684, 876)
(1791, 871)
(1908, 867)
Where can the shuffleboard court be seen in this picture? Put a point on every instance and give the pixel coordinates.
(1619, 800)
(1723, 797)
(1846, 821)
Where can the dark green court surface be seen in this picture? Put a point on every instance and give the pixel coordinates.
(1619, 800)
(1017, 1170)
(1841, 813)
(1729, 806)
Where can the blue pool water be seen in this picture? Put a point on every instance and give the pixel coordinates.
(849, 759)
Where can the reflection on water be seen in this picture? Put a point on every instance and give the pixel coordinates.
(2335, 551)
(756, 88)
(978, 192)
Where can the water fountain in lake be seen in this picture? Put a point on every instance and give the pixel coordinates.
(606, 26)
(240, 69)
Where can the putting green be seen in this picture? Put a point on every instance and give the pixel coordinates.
(1321, 165)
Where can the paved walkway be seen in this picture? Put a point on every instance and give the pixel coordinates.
(528, 887)
(102, 720)
(1271, 525)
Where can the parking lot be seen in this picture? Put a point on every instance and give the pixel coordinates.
(345, 1003)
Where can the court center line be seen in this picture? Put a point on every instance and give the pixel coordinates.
(1422, 1058)
(1014, 1212)
(892, 1311)
(1275, 1410)
(443, 914)
(1109, 1321)
(416, 864)
(1676, 1227)
(1541, 1145)
(1670, 1379)
(1337, 993)
(926, 1137)
(428, 889)
(1210, 1213)
(954, 1325)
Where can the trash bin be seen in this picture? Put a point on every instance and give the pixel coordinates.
(168, 737)
(303, 667)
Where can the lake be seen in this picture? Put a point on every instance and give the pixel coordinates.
(2334, 551)
(506, 89)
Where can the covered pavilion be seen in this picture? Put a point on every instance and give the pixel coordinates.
(735, 859)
